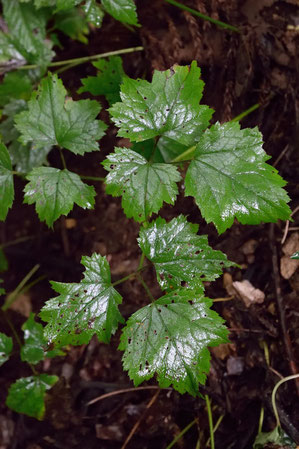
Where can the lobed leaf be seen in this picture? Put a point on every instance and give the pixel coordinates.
(27, 395)
(122, 10)
(94, 14)
(6, 345)
(53, 120)
(55, 191)
(143, 185)
(180, 255)
(168, 106)
(170, 338)
(6, 182)
(83, 309)
(230, 179)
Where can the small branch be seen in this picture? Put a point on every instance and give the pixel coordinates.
(129, 276)
(93, 178)
(181, 434)
(245, 113)
(189, 153)
(285, 379)
(144, 285)
(62, 159)
(13, 296)
(124, 390)
(210, 418)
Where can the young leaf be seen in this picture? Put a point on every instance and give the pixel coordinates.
(179, 254)
(72, 23)
(122, 10)
(94, 14)
(107, 82)
(6, 182)
(84, 309)
(53, 120)
(229, 178)
(143, 185)
(171, 337)
(168, 106)
(55, 191)
(167, 149)
(33, 349)
(5, 347)
(27, 395)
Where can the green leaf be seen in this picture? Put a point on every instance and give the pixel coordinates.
(55, 191)
(6, 182)
(166, 149)
(170, 338)
(6, 345)
(83, 309)
(229, 178)
(168, 106)
(53, 120)
(72, 23)
(67, 4)
(276, 436)
(122, 10)
(143, 185)
(10, 57)
(28, 31)
(33, 349)
(295, 255)
(180, 255)
(16, 85)
(94, 14)
(27, 395)
(3, 261)
(107, 82)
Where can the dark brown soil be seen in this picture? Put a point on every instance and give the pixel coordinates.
(257, 65)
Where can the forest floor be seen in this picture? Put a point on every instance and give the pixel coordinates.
(257, 65)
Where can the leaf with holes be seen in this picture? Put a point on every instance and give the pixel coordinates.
(27, 395)
(84, 309)
(6, 182)
(108, 80)
(171, 338)
(180, 255)
(168, 106)
(53, 120)
(143, 185)
(122, 10)
(55, 192)
(230, 179)
(5, 346)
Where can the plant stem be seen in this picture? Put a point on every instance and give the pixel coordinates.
(93, 178)
(219, 23)
(219, 420)
(285, 379)
(62, 159)
(261, 420)
(141, 262)
(182, 157)
(182, 433)
(129, 276)
(245, 113)
(144, 285)
(13, 296)
(210, 418)
(15, 242)
(84, 59)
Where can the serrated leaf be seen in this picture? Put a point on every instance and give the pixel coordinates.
(143, 185)
(72, 23)
(168, 106)
(16, 85)
(28, 31)
(170, 338)
(107, 82)
(180, 255)
(166, 149)
(55, 192)
(6, 182)
(122, 10)
(277, 436)
(230, 179)
(27, 395)
(94, 14)
(83, 309)
(53, 120)
(6, 345)
(34, 343)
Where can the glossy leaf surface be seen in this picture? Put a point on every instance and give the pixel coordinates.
(170, 338)
(34, 343)
(108, 80)
(122, 10)
(179, 254)
(6, 182)
(55, 192)
(94, 14)
(230, 179)
(6, 345)
(52, 119)
(166, 150)
(27, 395)
(83, 309)
(168, 106)
(143, 185)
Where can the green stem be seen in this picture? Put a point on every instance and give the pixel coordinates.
(62, 159)
(210, 418)
(126, 278)
(144, 285)
(181, 434)
(285, 379)
(84, 59)
(93, 178)
(15, 242)
(219, 421)
(189, 153)
(219, 23)
(261, 420)
(13, 296)
(141, 262)
(245, 113)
